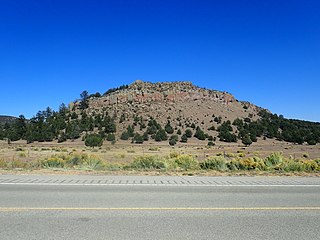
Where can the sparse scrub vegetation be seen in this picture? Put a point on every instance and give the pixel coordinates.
(222, 162)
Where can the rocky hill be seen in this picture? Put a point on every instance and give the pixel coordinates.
(181, 103)
(168, 112)
(6, 119)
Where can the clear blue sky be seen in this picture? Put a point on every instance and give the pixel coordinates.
(266, 52)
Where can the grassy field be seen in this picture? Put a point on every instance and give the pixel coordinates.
(161, 158)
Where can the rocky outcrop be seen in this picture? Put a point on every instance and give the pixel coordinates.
(165, 92)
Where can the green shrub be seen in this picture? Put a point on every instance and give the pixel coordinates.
(273, 159)
(291, 166)
(53, 162)
(93, 140)
(186, 162)
(233, 165)
(75, 159)
(93, 163)
(218, 163)
(110, 137)
(148, 162)
(173, 140)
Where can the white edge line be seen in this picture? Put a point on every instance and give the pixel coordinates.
(162, 185)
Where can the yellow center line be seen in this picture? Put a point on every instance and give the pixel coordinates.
(17, 209)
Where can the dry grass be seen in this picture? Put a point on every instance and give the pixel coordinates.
(123, 153)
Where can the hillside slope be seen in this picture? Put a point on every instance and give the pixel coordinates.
(179, 102)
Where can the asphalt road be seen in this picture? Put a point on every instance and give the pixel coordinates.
(100, 207)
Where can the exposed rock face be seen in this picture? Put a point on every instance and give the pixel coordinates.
(166, 92)
(6, 119)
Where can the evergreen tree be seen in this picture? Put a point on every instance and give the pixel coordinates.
(84, 103)
(188, 133)
(246, 140)
(184, 138)
(138, 138)
(161, 135)
(111, 137)
(93, 140)
(168, 128)
(124, 135)
(200, 134)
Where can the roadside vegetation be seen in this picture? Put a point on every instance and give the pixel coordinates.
(173, 163)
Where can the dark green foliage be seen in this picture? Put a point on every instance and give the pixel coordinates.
(184, 138)
(174, 137)
(125, 135)
(95, 95)
(73, 131)
(238, 122)
(225, 127)
(246, 140)
(168, 128)
(200, 134)
(111, 137)
(136, 120)
(138, 138)
(74, 115)
(84, 103)
(130, 131)
(152, 129)
(161, 135)
(273, 126)
(227, 137)
(210, 143)
(93, 140)
(63, 110)
(153, 126)
(111, 90)
(146, 136)
(211, 128)
(225, 132)
(179, 132)
(247, 120)
(109, 124)
(218, 119)
(188, 133)
(172, 142)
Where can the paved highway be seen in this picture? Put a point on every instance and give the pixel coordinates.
(136, 207)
